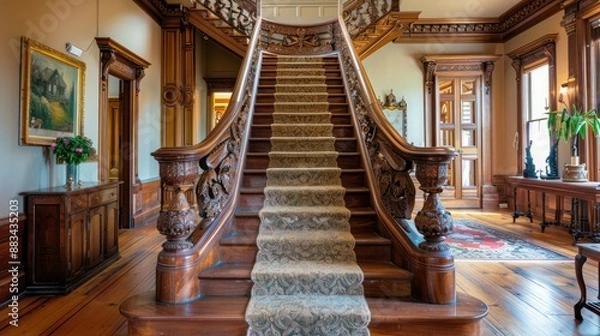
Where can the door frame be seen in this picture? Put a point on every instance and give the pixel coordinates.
(459, 65)
(123, 64)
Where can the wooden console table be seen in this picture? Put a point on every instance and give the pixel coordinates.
(580, 192)
(591, 251)
(72, 235)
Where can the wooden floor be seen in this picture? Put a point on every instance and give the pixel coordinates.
(525, 298)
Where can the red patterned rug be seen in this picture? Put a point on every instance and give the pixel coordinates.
(472, 240)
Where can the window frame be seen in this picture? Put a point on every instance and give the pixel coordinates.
(524, 59)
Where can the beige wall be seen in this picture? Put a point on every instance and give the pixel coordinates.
(299, 11)
(54, 23)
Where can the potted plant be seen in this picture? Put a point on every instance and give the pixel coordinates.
(73, 151)
(573, 125)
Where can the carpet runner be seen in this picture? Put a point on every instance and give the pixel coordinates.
(306, 279)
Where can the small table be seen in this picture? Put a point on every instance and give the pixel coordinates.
(586, 251)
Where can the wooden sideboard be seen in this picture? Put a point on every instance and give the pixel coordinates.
(585, 221)
(71, 235)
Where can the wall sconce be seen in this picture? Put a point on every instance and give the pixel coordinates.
(73, 50)
(563, 92)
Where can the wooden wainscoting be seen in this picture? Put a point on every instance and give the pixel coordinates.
(146, 199)
(6, 258)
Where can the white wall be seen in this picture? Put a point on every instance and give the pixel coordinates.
(299, 11)
(54, 23)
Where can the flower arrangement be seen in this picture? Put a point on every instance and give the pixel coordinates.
(73, 150)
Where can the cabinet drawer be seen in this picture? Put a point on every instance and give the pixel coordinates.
(78, 202)
(103, 196)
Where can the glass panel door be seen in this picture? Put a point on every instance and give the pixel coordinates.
(458, 115)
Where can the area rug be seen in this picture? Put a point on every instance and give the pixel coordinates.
(472, 240)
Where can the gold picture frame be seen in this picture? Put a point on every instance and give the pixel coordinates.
(52, 85)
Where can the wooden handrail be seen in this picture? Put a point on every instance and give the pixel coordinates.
(391, 158)
(210, 170)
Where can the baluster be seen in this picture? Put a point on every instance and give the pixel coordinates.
(433, 221)
(178, 216)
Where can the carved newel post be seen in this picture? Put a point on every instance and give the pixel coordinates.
(433, 221)
(178, 216)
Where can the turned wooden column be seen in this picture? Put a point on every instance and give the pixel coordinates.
(433, 221)
(178, 216)
(178, 80)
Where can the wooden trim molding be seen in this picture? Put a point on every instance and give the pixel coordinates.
(541, 49)
(146, 202)
(8, 278)
(496, 30)
(122, 63)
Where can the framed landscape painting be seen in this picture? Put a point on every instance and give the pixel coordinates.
(51, 94)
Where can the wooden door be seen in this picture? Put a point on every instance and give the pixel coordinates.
(95, 247)
(111, 230)
(459, 126)
(76, 245)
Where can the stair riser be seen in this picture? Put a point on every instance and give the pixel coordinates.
(271, 80)
(339, 131)
(386, 288)
(259, 180)
(270, 89)
(372, 288)
(333, 108)
(238, 254)
(254, 180)
(358, 223)
(329, 72)
(372, 252)
(351, 200)
(270, 99)
(247, 253)
(226, 287)
(261, 161)
(272, 67)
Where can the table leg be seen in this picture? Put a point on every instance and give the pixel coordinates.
(579, 261)
(529, 212)
(516, 209)
(544, 223)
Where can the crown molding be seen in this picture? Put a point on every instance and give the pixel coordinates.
(493, 30)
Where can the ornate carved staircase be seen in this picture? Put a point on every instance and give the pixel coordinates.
(372, 24)
(204, 271)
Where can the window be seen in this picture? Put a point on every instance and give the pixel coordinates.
(536, 95)
(536, 92)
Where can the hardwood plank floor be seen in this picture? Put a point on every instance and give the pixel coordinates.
(525, 298)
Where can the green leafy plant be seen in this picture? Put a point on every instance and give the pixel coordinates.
(73, 150)
(572, 124)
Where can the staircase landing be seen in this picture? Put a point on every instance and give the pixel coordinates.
(224, 316)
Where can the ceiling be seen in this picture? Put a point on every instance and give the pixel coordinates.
(439, 9)
(452, 9)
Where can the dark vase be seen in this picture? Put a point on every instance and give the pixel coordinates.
(72, 175)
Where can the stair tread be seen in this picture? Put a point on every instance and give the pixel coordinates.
(249, 238)
(371, 269)
(144, 307)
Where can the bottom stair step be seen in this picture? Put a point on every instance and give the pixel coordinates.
(328, 315)
(225, 316)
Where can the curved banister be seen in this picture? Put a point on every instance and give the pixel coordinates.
(391, 158)
(199, 188)
(200, 183)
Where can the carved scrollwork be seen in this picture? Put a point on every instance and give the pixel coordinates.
(239, 14)
(361, 16)
(177, 223)
(290, 40)
(390, 169)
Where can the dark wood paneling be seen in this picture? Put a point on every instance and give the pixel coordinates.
(12, 282)
(149, 200)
